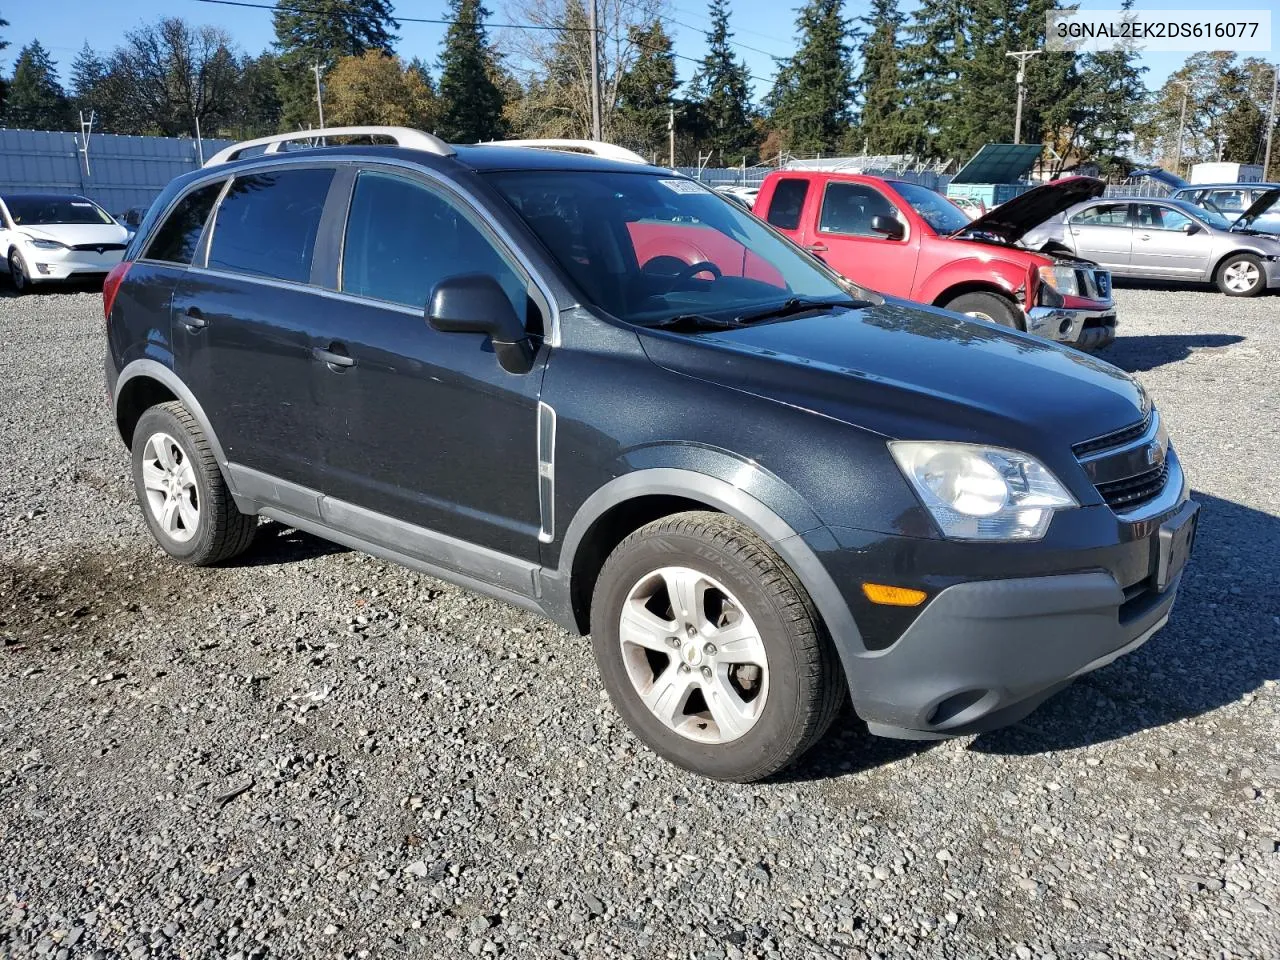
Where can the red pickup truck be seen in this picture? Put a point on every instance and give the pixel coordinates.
(905, 240)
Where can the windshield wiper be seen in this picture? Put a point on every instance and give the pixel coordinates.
(796, 305)
(693, 321)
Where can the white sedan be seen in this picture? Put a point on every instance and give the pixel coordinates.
(46, 236)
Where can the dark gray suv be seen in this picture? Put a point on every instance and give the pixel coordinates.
(596, 389)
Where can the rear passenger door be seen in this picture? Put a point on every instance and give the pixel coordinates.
(418, 427)
(1102, 232)
(786, 205)
(241, 322)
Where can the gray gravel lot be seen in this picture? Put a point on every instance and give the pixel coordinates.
(315, 754)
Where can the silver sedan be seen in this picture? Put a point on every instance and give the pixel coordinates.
(1167, 240)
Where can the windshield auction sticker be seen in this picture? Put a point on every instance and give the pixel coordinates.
(1170, 31)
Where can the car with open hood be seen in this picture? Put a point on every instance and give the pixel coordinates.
(761, 489)
(1165, 239)
(48, 236)
(904, 239)
(1230, 200)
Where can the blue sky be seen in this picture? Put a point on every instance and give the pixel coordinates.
(763, 28)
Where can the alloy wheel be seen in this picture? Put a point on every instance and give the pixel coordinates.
(694, 655)
(172, 495)
(1241, 277)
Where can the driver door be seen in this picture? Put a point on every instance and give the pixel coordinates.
(842, 236)
(1162, 249)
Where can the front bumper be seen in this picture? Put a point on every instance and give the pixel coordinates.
(68, 264)
(1084, 329)
(1006, 625)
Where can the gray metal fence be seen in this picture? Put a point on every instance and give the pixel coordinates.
(123, 172)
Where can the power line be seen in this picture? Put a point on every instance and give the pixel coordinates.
(295, 8)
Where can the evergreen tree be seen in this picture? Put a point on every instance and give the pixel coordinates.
(813, 101)
(722, 91)
(88, 77)
(36, 100)
(259, 108)
(883, 129)
(473, 101)
(321, 32)
(930, 66)
(1110, 97)
(646, 91)
(4, 84)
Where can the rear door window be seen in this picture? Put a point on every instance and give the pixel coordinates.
(787, 203)
(175, 239)
(267, 223)
(1104, 215)
(403, 238)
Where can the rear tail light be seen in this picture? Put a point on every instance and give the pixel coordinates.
(111, 285)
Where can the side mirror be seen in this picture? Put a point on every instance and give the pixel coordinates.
(1190, 228)
(476, 303)
(890, 227)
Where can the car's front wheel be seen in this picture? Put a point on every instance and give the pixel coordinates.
(184, 498)
(711, 649)
(986, 306)
(18, 272)
(1241, 275)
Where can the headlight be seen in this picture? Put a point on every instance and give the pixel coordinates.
(982, 493)
(1061, 278)
(40, 244)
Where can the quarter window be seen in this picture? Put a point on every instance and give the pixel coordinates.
(175, 240)
(848, 208)
(403, 238)
(267, 223)
(787, 203)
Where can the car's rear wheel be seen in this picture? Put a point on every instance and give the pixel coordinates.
(18, 272)
(711, 649)
(987, 306)
(1241, 275)
(184, 498)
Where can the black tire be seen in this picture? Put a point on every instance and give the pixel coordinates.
(222, 531)
(805, 684)
(1237, 261)
(18, 272)
(987, 306)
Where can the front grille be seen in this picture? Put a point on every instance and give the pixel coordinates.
(103, 247)
(1114, 439)
(1135, 491)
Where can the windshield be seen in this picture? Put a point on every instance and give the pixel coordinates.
(649, 248)
(937, 211)
(1211, 217)
(35, 209)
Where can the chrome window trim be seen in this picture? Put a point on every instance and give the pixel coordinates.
(305, 288)
(552, 336)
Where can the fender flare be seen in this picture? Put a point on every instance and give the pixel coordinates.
(729, 498)
(154, 370)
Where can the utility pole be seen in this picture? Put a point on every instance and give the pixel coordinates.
(596, 132)
(671, 136)
(1182, 125)
(86, 131)
(319, 102)
(1022, 56)
(1271, 123)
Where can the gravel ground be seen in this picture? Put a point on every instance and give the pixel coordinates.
(316, 754)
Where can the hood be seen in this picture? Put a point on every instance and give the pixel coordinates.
(1170, 180)
(1015, 217)
(912, 372)
(73, 234)
(1260, 206)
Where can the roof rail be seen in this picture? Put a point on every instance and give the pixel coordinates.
(608, 151)
(401, 136)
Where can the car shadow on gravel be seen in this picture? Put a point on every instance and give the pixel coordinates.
(1222, 644)
(50, 288)
(275, 543)
(1139, 354)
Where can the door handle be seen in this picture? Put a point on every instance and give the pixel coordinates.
(337, 361)
(194, 320)
(817, 248)
(1145, 236)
